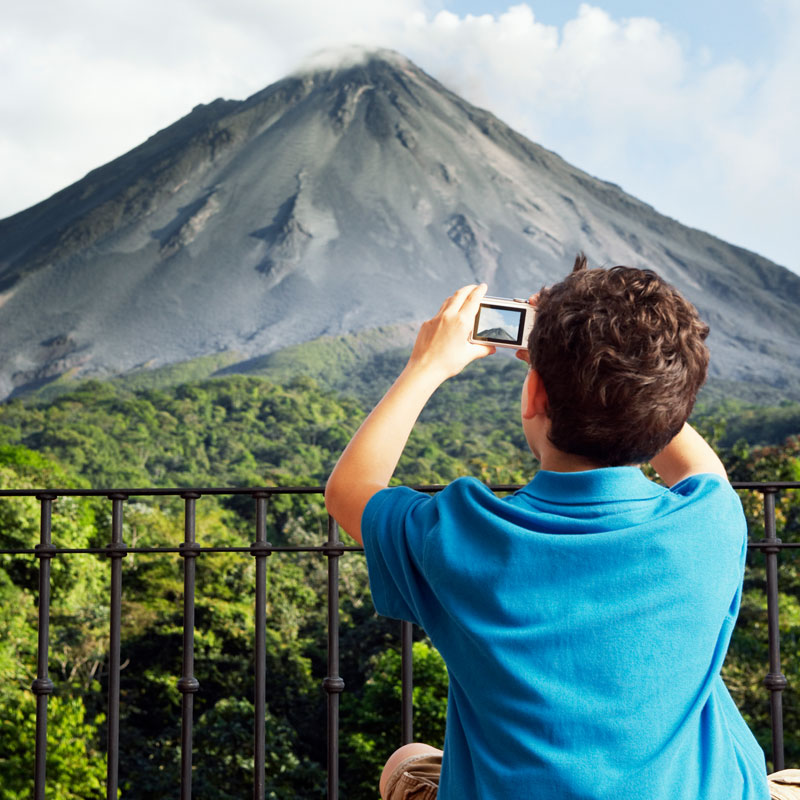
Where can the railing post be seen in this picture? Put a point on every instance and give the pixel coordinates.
(42, 687)
(775, 680)
(407, 671)
(332, 683)
(188, 684)
(260, 549)
(116, 552)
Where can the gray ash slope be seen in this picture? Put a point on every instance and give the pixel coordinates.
(337, 201)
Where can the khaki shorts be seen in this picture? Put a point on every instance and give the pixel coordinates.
(417, 778)
(785, 785)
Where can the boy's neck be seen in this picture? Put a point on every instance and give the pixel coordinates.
(537, 433)
(555, 460)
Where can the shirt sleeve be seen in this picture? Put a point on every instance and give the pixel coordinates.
(394, 527)
(704, 482)
(720, 508)
(716, 496)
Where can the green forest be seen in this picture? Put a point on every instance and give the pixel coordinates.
(284, 428)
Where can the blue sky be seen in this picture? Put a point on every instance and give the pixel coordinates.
(694, 107)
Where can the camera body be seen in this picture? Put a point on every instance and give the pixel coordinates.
(503, 322)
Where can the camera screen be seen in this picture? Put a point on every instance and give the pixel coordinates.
(499, 324)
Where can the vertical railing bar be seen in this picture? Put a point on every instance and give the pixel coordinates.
(188, 684)
(116, 552)
(775, 680)
(407, 672)
(332, 683)
(260, 549)
(43, 687)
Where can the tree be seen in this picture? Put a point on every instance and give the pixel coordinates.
(371, 717)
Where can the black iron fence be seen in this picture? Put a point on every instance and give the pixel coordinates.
(333, 549)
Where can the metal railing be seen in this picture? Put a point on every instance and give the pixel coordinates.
(333, 549)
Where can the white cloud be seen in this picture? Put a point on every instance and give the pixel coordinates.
(711, 143)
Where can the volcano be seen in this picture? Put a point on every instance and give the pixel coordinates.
(333, 201)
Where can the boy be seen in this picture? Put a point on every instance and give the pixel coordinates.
(583, 620)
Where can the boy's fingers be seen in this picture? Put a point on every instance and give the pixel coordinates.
(454, 303)
(456, 299)
(473, 298)
(444, 305)
(523, 355)
(460, 297)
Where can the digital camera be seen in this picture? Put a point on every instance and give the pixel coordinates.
(503, 322)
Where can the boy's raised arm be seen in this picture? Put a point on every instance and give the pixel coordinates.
(442, 350)
(686, 455)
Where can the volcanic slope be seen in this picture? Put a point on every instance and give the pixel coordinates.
(336, 201)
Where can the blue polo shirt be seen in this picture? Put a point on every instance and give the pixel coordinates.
(584, 621)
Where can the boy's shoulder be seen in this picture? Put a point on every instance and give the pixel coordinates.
(570, 488)
(561, 502)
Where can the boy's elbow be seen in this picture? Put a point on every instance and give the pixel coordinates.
(340, 506)
(331, 496)
(345, 501)
(338, 500)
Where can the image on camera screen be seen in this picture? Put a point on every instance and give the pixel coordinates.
(498, 324)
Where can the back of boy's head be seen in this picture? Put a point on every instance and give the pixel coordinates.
(621, 355)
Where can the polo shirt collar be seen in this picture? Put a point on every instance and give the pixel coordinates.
(593, 486)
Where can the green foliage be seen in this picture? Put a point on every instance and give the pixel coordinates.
(76, 768)
(371, 717)
(236, 431)
(717, 393)
(224, 769)
(249, 431)
(197, 369)
(736, 420)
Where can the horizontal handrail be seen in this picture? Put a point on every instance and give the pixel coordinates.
(156, 491)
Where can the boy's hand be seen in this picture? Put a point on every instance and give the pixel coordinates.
(443, 344)
(523, 354)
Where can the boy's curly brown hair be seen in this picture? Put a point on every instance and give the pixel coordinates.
(621, 355)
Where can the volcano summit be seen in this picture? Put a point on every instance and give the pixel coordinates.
(334, 201)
